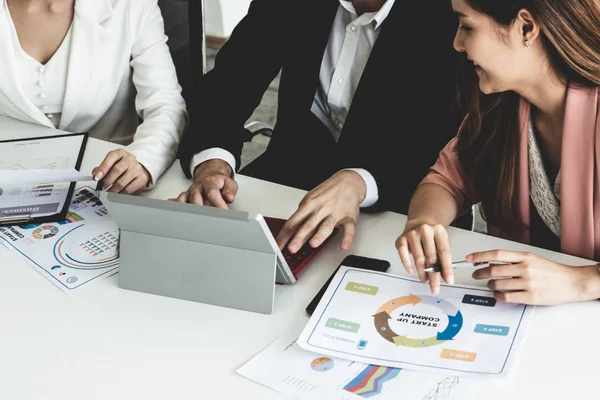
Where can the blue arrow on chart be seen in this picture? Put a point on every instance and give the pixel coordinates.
(454, 324)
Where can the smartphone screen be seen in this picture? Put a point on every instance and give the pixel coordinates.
(371, 264)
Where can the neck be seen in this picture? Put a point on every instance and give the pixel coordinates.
(55, 6)
(364, 6)
(548, 95)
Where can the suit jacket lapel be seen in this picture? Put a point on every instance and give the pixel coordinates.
(88, 36)
(10, 79)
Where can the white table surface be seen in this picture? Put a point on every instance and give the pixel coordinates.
(110, 343)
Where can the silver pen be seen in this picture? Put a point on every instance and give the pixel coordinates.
(437, 267)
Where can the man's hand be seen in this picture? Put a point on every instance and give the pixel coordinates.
(212, 185)
(333, 203)
(122, 173)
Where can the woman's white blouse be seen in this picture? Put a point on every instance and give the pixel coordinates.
(44, 85)
(113, 77)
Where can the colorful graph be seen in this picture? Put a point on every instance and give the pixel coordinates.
(45, 232)
(321, 364)
(90, 246)
(443, 389)
(370, 381)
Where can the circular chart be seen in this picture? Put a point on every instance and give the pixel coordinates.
(45, 232)
(383, 316)
(88, 247)
(321, 364)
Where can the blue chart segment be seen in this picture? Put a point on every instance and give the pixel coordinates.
(88, 247)
(370, 381)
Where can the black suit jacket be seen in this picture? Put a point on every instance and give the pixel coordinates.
(401, 116)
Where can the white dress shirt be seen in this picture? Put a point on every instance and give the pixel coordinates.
(43, 84)
(350, 43)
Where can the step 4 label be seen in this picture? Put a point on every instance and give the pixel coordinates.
(362, 288)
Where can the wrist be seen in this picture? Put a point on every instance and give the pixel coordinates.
(418, 221)
(358, 184)
(588, 279)
(215, 165)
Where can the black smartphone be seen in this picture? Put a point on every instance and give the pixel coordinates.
(372, 264)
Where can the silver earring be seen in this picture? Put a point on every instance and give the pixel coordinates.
(527, 43)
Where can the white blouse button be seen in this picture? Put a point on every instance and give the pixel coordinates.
(40, 83)
(42, 95)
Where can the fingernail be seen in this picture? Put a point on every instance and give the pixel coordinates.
(435, 290)
(99, 175)
(469, 257)
(451, 280)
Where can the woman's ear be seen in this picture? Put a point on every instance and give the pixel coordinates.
(529, 28)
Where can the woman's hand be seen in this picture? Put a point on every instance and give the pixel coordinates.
(122, 173)
(528, 279)
(428, 244)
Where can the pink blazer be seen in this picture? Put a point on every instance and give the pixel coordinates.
(580, 172)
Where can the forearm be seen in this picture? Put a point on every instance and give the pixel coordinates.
(431, 204)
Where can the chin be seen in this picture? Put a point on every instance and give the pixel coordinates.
(486, 88)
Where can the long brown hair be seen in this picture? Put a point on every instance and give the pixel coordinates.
(488, 140)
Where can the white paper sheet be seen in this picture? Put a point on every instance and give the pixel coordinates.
(36, 199)
(41, 176)
(286, 368)
(74, 252)
(383, 319)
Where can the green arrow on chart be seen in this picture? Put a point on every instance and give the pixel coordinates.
(408, 342)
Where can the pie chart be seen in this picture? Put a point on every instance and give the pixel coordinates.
(321, 364)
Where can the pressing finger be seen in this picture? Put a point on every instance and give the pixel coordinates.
(416, 248)
(194, 195)
(349, 231)
(213, 194)
(110, 160)
(323, 232)
(182, 198)
(402, 246)
(444, 255)
(304, 233)
(291, 226)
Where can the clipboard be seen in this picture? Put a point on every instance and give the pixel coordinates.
(28, 212)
